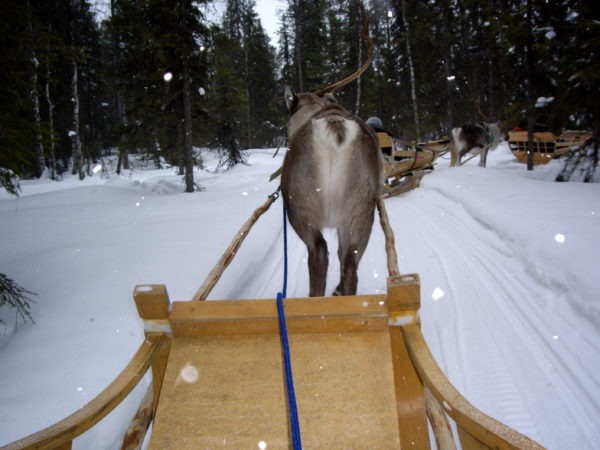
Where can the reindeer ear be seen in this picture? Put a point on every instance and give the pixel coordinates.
(290, 98)
(329, 98)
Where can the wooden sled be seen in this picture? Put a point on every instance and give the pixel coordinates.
(364, 376)
(546, 145)
(404, 167)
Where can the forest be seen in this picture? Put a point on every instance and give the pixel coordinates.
(155, 79)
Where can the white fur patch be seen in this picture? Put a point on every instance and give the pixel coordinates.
(333, 164)
(458, 143)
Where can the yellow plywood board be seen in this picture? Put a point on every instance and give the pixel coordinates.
(229, 391)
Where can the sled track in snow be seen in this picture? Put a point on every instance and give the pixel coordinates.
(498, 327)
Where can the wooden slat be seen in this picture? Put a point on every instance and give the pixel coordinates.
(538, 158)
(403, 184)
(56, 436)
(385, 140)
(481, 426)
(159, 365)
(412, 422)
(469, 442)
(303, 315)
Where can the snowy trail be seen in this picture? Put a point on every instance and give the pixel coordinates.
(511, 314)
(501, 331)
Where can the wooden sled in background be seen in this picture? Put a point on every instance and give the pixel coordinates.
(364, 376)
(405, 164)
(546, 145)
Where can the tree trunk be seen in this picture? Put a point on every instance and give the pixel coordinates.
(413, 84)
(448, 60)
(530, 63)
(50, 105)
(74, 133)
(187, 129)
(40, 161)
(187, 118)
(249, 115)
(123, 159)
(298, 44)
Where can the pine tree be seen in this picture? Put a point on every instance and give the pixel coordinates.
(228, 100)
(16, 127)
(260, 79)
(243, 83)
(163, 66)
(309, 42)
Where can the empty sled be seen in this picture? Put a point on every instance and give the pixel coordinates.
(546, 145)
(405, 164)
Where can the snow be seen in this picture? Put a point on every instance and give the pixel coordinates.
(506, 257)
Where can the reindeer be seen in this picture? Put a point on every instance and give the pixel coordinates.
(331, 177)
(478, 139)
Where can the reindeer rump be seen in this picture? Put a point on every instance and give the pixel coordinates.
(332, 178)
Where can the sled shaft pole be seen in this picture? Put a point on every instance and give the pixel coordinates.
(390, 241)
(217, 271)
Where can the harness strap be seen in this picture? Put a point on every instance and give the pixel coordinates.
(289, 378)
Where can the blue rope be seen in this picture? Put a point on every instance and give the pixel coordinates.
(289, 379)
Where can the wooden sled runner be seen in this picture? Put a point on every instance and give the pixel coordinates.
(546, 145)
(364, 375)
(404, 167)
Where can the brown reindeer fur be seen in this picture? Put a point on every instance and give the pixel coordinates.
(331, 178)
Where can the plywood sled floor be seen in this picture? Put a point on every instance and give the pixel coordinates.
(229, 391)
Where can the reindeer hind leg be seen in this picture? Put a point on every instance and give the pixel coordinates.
(352, 244)
(318, 260)
(483, 158)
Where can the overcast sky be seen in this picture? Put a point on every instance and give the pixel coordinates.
(266, 9)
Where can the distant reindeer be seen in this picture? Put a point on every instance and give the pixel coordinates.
(479, 138)
(331, 178)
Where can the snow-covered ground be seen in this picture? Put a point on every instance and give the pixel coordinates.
(507, 260)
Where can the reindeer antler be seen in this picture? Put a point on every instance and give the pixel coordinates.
(365, 35)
